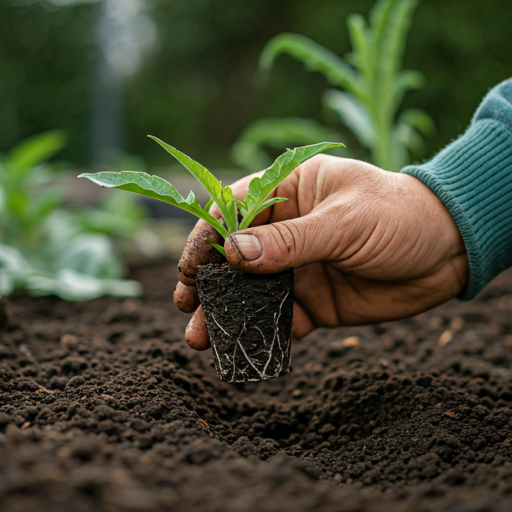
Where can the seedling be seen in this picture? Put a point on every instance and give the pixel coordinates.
(236, 214)
(248, 316)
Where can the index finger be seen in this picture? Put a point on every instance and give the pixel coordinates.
(198, 252)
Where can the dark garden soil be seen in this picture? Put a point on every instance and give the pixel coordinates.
(103, 407)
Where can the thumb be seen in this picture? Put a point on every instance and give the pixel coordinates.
(281, 245)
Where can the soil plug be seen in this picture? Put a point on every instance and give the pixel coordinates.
(249, 320)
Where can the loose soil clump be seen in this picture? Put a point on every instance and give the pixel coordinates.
(103, 407)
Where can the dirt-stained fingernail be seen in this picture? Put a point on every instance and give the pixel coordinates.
(249, 246)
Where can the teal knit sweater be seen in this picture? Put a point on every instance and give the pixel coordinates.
(472, 176)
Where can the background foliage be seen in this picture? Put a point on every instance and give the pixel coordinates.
(46, 249)
(196, 87)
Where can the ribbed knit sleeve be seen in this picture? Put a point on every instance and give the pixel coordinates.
(472, 176)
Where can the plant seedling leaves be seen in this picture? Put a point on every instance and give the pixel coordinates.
(256, 200)
(230, 206)
(204, 176)
(219, 248)
(208, 205)
(261, 188)
(242, 207)
(270, 202)
(157, 188)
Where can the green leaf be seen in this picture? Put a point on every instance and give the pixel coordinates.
(379, 18)
(219, 248)
(354, 115)
(204, 176)
(36, 150)
(232, 221)
(261, 188)
(241, 206)
(362, 41)
(314, 56)
(69, 284)
(208, 205)
(268, 203)
(392, 47)
(155, 187)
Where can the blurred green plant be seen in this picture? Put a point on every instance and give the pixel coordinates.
(371, 86)
(120, 216)
(44, 249)
(248, 151)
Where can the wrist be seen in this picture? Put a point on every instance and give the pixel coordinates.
(445, 236)
(475, 186)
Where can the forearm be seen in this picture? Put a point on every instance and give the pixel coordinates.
(473, 178)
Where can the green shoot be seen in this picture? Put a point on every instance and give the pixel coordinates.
(368, 87)
(216, 245)
(256, 200)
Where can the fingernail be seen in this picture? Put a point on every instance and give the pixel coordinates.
(249, 246)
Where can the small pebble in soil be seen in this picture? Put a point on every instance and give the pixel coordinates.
(445, 338)
(456, 323)
(69, 342)
(351, 342)
(435, 322)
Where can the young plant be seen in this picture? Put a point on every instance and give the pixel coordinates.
(236, 214)
(369, 88)
(44, 249)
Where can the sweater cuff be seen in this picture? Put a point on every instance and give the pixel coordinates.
(473, 179)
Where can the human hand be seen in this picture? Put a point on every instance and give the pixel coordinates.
(368, 246)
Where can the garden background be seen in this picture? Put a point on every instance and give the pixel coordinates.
(110, 72)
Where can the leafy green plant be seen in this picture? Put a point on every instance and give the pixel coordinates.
(231, 209)
(370, 84)
(44, 249)
(276, 133)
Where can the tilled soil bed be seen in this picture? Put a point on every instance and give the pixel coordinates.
(103, 407)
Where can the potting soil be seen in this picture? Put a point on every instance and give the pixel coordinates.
(249, 320)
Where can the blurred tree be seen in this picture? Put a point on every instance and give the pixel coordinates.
(46, 56)
(197, 88)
